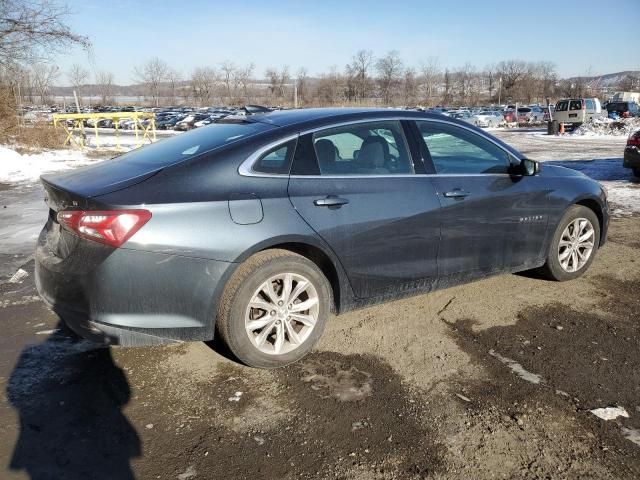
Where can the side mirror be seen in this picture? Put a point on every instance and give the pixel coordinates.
(529, 167)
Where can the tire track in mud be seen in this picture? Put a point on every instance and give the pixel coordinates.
(586, 360)
(330, 416)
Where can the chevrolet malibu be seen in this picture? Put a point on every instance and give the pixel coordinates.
(257, 228)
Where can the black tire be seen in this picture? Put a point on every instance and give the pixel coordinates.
(552, 268)
(636, 172)
(239, 290)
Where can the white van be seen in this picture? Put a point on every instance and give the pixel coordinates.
(576, 111)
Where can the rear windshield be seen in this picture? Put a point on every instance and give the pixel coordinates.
(524, 110)
(575, 105)
(562, 106)
(186, 145)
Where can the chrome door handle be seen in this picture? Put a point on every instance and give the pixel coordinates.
(330, 201)
(456, 194)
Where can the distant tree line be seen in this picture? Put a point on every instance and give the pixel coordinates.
(366, 80)
(32, 32)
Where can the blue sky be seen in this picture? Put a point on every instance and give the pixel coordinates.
(318, 34)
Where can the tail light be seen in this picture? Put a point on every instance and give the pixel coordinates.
(634, 139)
(111, 227)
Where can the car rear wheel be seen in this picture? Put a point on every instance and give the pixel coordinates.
(274, 309)
(574, 244)
(636, 172)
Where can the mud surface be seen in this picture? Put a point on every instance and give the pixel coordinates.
(435, 386)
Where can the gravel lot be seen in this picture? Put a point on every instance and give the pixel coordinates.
(494, 379)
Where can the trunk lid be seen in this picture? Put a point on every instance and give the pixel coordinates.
(63, 189)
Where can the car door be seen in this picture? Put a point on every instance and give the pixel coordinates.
(492, 219)
(358, 187)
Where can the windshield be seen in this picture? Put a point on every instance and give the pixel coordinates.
(186, 145)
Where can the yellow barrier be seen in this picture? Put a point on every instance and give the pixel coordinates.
(77, 125)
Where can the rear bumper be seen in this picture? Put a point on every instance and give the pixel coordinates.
(131, 297)
(631, 157)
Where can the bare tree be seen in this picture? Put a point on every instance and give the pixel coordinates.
(78, 76)
(512, 72)
(278, 80)
(548, 78)
(358, 75)
(389, 70)
(203, 84)
(43, 76)
(244, 80)
(302, 83)
(231, 78)
(329, 87)
(431, 77)
(33, 30)
(410, 87)
(104, 83)
(152, 74)
(173, 81)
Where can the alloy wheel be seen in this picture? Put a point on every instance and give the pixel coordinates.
(282, 313)
(576, 245)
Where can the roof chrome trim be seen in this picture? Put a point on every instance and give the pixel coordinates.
(246, 167)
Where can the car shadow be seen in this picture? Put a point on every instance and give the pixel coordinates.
(69, 396)
(608, 169)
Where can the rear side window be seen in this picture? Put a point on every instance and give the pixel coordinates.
(375, 148)
(277, 160)
(575, 105)
(455, 150)
(590, 104)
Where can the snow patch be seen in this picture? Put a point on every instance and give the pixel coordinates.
(19, 276)
(632, 435)
(610, 413)
(517, 368)
(27, 168)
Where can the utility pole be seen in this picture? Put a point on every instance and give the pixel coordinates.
(499, 90)
(295, 93)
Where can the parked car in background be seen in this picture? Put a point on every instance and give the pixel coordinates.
(509, 115)
(623, 109)
(258, 229)
(464, 115)
(487, 118)
(631, 157)
(167, 123)
(576, 111)
(188, 122)
(533, 114)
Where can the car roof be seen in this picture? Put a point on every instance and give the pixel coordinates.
(319, 116)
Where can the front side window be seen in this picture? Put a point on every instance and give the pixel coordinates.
(373, 148)
(276, 161)
(456, 150)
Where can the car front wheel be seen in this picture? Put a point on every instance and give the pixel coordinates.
(574, 244)
(636, 172)
(274, 309)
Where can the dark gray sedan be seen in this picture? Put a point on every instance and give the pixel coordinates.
(257, 228)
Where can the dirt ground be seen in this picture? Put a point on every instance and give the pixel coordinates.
(411, 389)
(494, 379)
